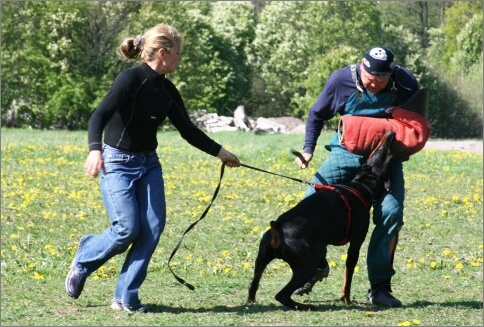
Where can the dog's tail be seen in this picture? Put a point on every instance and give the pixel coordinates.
(276, 233)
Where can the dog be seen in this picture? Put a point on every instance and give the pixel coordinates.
(335, 214)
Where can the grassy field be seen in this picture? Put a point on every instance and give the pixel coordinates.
(48, 204)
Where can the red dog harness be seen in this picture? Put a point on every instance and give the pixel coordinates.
(318, 187)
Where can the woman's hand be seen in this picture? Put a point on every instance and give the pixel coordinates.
(228, 158)
(94, 163)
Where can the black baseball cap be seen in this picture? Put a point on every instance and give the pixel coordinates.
(378, 61)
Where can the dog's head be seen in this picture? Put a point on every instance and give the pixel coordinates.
(380, 161)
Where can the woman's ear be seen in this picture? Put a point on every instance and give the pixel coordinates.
(161, 53)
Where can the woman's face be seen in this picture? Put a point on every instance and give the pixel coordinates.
(171, 58)
(373, 84)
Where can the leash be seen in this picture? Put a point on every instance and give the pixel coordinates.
(179, 279)
(268, 172)
(315, 185)
(215, 193)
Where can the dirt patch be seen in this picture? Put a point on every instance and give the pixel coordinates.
(296, 125)
(474, 146)
(292, 124)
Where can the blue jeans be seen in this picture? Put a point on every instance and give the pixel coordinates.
(133, 192)
(340, 167)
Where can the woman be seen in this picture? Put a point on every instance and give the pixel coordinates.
(131, 179)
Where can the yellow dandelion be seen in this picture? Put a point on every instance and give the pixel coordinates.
(459, 265)
(332, 264)
(433, 265)
(447, 252)
(446, 276)
(246, 265)
(416, 322)
(343, 257)
(200, 260)
(38, 276)
(404, 323)
(369, 314)
(13, 236)
(225, 253)
(256, 229)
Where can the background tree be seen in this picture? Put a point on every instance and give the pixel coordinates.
(25, 64)
(273, 57)
(415, 16)
(291, 36)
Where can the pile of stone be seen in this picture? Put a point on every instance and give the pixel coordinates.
(212, 122)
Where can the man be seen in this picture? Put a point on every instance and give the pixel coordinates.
(365, 89)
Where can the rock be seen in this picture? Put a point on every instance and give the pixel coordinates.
(212, 122)
(240, 119)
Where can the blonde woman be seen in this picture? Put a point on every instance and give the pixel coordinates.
(131, 178)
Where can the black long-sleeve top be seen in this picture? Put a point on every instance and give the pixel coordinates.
(137, 103)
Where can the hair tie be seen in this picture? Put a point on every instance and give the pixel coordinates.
(138, 42)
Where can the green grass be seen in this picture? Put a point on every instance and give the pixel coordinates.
(48, 203)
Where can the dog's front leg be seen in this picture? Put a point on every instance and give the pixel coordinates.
(351, 261)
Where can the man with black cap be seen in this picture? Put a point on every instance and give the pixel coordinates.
(364, 89)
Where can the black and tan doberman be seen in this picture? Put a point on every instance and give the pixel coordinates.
(335, 214)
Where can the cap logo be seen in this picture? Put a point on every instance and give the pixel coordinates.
(378, 53)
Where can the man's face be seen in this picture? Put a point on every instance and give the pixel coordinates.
(373, 84)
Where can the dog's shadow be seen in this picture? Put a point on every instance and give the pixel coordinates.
(321, 306)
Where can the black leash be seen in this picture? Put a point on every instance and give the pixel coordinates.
(181, 280)
(268, 172)
(222, 169)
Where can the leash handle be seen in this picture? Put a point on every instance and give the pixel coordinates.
(179, 279)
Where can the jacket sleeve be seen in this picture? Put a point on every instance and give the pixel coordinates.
(178, 115)
(322, 110)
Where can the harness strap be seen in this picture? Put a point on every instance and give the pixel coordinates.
(318, 187)
(355, 193)
(357, 83)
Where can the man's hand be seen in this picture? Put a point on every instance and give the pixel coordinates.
(302, 159)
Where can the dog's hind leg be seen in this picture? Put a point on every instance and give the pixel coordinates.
(264, 257)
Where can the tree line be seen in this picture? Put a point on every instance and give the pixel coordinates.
(274, 57)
